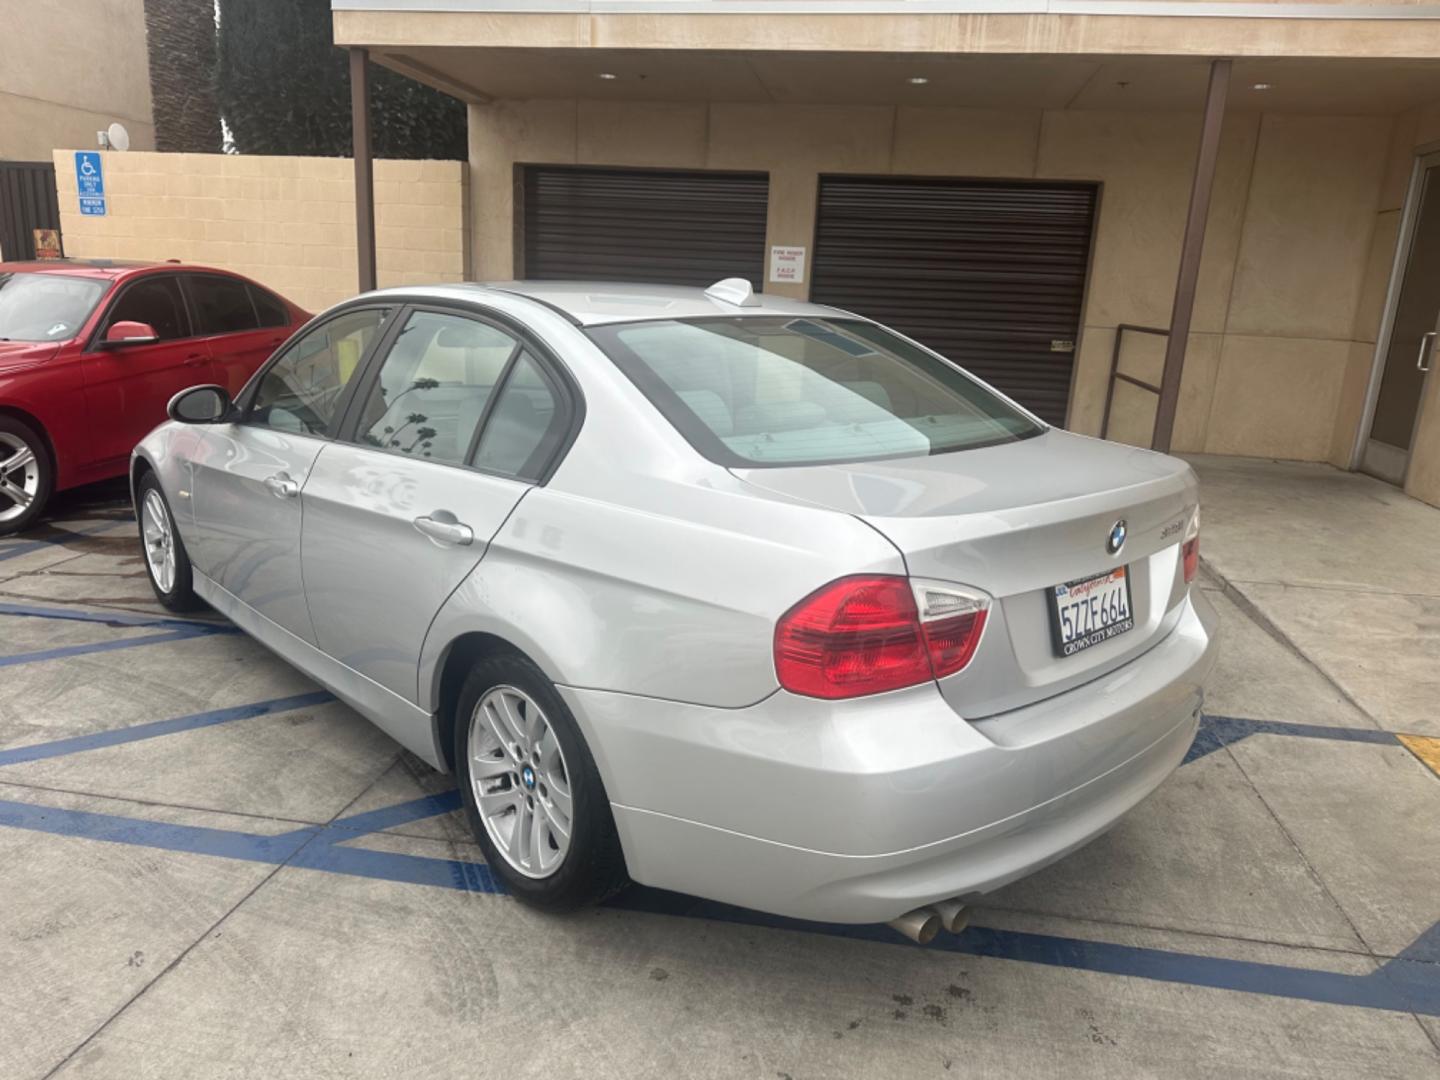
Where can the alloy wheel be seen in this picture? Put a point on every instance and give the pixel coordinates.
(159, 540)
(19, 476)
(520, 781)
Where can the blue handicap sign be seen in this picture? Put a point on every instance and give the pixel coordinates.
(90, 183)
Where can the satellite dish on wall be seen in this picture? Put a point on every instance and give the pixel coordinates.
(117, 137)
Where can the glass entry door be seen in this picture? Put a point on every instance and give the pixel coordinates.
(1411, 350)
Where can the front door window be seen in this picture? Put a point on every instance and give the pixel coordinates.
(300, 392)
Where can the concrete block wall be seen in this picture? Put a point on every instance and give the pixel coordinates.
(287, 222)
(1274, 349)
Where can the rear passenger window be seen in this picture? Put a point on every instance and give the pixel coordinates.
(269, 307)
(433, 387)
(222, 305)
(524, 427)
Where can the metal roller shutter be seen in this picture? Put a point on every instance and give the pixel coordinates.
(27, 202)
(990, 274)
(673, 228)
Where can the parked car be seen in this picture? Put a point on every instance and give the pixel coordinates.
(737, 596)
(90, 352)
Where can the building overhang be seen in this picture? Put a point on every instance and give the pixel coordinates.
(1030, 54)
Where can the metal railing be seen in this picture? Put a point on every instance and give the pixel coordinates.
(1116, 373)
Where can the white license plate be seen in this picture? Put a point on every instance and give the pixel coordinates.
(1091, 610)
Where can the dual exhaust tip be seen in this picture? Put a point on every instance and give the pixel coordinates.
(922, 924)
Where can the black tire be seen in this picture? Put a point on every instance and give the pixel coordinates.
(40, 471)
(181, 595)
(594, 867)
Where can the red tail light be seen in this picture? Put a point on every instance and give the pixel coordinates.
(866, 634)
(1190, 551)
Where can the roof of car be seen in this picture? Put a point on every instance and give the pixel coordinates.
(593, 303)
(104, 267)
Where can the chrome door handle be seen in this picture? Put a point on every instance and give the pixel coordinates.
(447, 532)
(281, 486)
(1427, 339)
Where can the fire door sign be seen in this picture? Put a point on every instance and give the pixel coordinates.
(787, 264)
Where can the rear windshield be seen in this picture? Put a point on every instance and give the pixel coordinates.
(46, 307)
(778, 390)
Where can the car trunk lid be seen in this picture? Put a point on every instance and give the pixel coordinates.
(1017, 520)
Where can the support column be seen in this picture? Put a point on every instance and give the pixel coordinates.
(364, 168)
(1190, 249)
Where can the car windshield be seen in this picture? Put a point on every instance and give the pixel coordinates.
(45, 307)
(763, 390)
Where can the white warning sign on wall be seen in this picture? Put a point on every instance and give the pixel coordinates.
(787, 264)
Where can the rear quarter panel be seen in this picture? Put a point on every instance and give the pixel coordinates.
(673, 596)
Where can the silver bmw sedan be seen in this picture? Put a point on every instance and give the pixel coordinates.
(733, 595)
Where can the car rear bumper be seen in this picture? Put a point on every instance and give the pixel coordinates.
(859, 811)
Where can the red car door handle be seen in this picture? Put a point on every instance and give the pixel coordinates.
(194, 358)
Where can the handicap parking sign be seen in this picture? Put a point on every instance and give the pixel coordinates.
(90, 183)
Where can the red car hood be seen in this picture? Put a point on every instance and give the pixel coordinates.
(15, 355)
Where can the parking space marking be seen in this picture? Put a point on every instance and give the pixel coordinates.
(1424, 747)
(1407, 983)
(14, 551)
(118, 829)
(171, 630)
(1217, 732)
(101, 646)
(114, 618)
(155, 728)
(1402, 984)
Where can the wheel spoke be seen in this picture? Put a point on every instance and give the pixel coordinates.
(15, 494)
(20, 459)
(501, 729)
(520, 845)
(488, 767)
(498, 802)
(558, 786)
(513, 720)
(539, 841)
(557, 818)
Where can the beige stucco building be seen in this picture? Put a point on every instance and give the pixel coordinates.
(68, 70)
(955, 104)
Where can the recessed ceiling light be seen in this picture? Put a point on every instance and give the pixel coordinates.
(1261, 86)
(918, 80)
(608, 76)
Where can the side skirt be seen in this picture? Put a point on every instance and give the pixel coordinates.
(408, 724)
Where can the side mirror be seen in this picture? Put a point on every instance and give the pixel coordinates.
(125, 332)
(200, 405)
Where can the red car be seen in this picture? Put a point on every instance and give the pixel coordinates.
(91, 351)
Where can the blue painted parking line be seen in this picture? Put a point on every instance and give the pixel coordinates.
(138, 732)
(116, 829)
(1401, 985)
(14, 551)
(116, 618)
(1409, 982)
(389, 817)
(103, 646)
(1217, 732)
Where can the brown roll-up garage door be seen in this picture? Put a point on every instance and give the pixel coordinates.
(673, 228)
(990, 274)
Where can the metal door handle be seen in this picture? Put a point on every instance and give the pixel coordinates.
(1426, 340)
(281, 486)
(447, 532)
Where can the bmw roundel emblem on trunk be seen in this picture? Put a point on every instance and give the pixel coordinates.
(1116, 540)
